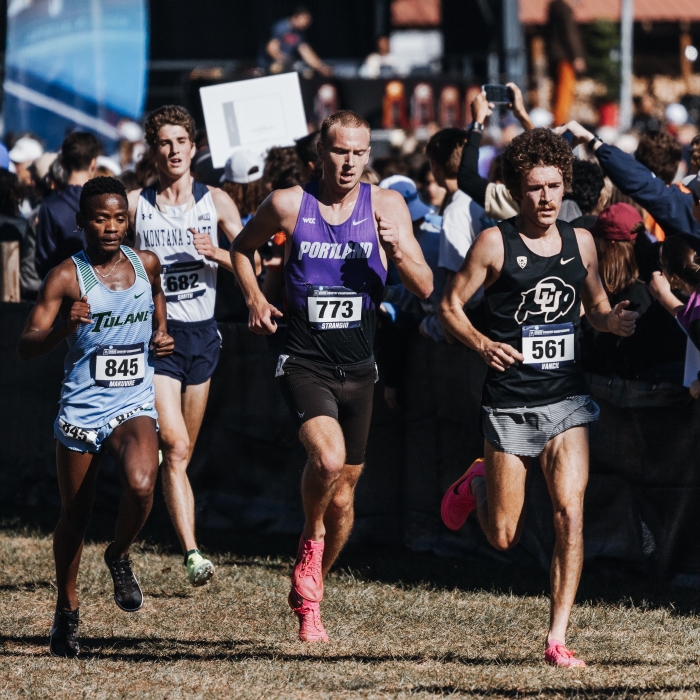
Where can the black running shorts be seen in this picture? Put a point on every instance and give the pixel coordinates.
(345, 393)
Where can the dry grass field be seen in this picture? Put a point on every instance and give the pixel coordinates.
(411, 626)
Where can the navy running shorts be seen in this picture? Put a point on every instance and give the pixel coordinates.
(196, 354)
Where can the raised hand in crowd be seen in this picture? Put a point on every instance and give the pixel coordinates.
(482, 108)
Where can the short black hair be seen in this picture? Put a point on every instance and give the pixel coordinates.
(78, 150)
(587, 184)
(99, 186)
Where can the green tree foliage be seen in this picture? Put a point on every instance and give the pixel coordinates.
(602, 42)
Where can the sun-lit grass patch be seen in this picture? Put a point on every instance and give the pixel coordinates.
(406, 635)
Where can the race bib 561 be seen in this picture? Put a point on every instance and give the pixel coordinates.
(549, 346)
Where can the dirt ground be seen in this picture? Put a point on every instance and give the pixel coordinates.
(402, 625)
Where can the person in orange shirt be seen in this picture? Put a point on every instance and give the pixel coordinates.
(566, 61)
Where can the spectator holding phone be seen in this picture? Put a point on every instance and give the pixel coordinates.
(493, 197)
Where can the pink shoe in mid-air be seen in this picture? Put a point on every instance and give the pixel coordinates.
(458, 502)
(307, 576)
(309, 613)
(558, 655)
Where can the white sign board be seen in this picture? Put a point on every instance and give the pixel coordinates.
(258, 114)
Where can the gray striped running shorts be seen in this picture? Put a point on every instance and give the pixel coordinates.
(526, 431)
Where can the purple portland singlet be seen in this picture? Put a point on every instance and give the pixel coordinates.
(335, 280)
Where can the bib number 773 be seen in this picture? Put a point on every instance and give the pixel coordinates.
(333, 308)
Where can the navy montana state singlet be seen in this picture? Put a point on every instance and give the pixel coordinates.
(535, 307)
(335, 281)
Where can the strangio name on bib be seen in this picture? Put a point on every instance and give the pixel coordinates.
(331, 326)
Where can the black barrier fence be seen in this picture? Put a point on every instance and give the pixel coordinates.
(641, 503)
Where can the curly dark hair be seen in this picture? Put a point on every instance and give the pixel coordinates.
(661, 153)
(587, 184)
(163, 116)
(246, 196)
(695, 152)
(532, 149)
(282, 168)
(99, 186)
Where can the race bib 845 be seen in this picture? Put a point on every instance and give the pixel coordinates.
(120, 365)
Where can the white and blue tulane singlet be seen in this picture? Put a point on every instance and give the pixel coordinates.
(108, 370)
(189, 279)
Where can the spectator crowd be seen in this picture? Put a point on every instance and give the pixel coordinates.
(637, 195)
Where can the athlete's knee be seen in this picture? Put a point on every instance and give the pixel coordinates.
(504, 537)
(330, 462)
(568, 523)
(343, 499)
(176, 449)
(140, 486)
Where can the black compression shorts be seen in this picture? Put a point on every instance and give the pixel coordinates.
(345, 393)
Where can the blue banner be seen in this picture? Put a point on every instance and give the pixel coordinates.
(74, 64)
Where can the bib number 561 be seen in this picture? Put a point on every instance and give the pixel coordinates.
(548, 348)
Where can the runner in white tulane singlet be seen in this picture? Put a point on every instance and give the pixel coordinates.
(178, 220)
(115, 329)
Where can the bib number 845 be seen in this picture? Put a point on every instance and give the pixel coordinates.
(125, 368)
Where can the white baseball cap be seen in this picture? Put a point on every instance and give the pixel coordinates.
(408, 190)
(244, 166)
(26, 150)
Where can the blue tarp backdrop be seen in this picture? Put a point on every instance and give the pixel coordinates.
(81, 62)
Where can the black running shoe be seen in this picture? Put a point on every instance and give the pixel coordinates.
(127, 592)
(63, 638)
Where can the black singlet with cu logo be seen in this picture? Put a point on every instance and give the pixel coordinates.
(534, 306)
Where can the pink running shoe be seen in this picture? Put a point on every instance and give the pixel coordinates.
(307, 576)
(558, 655)
(309, 613)
(458, 501)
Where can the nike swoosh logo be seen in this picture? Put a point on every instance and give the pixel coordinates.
(563, 262)
(355, 223)
(136, 296)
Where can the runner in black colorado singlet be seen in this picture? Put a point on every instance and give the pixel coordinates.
(537, 273)
(340, 234)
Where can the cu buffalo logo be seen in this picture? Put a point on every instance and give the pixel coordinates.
(551, 298)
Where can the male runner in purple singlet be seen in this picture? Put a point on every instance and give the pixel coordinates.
(340, 236)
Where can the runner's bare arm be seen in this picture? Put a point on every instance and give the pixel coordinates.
(595, 301)
(161, 342)
(482, 266)
(277, 213)
(40, 334)
(395, 231)
(229, 222)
